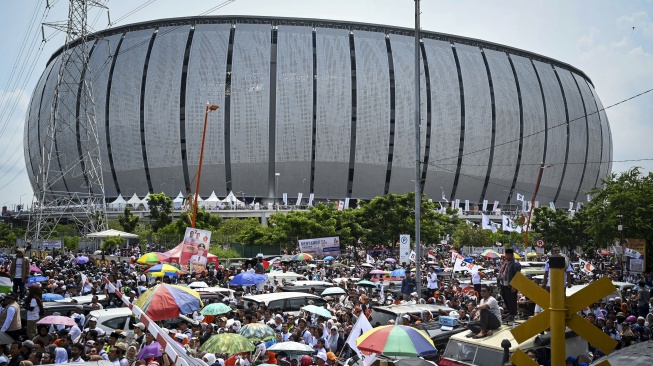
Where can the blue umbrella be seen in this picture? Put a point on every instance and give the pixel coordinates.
(36, 279)
(52, 297)
(390, 260)
(328, 258)
(468, 259)
(247, 279)
(398, 273)
(82, 260)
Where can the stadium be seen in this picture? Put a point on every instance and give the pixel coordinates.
(326, 107)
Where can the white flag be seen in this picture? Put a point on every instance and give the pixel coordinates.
(444, 198)
(285, 199)
(299, 199)
(496, 205)
(341, 205)
(519, 229)
(369, 259)
(362, 325)
(520, 197)
(486, 224)
(571, 206)
(523, 206)
(310, 199)
(467, 205)
(413, 256)
(505, 222)
(589, 198)
(346, 203)
(632, 253)
(484, 205)
(586, 266)
(552, 206)
(461, 265)
(530, 205)
(537, 204)
(457, 203)
(578, 205)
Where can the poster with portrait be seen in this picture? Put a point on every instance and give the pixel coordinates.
(195, 251)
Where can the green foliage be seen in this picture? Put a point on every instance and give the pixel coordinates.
(71, 242)
(204, 220)
(224, 253)
(7, 235)
(555, 227)
(110, 244)
(473, 236)
(128, 221)
(160, 210)
(234, 230)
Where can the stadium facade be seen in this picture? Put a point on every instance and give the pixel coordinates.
(329, 106)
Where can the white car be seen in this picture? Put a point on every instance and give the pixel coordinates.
(111, 319)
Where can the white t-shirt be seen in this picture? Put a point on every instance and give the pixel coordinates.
(432, 279)
(33, 314)
(476, 277)
(493, 306)
(569, 269)
(19, 268)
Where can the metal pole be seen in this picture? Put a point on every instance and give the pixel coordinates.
(418, 193)
(199, 168)
(558, 309)
(530, 212)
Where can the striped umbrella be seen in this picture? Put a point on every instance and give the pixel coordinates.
(161, 270)
(396, 340)
(165, 301)
(153, 258)
(302, 257)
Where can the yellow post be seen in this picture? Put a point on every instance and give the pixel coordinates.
(558, 309)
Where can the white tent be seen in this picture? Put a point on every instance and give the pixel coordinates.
(178, 201)
(213, 199)
(144, 202)
(135, 201)
(112, 233)
(118, 203)
(232, 200)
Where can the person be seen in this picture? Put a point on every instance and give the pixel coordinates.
(35, 311)
(199, 259)
(432, 282)
(488, 315)
(408, 286)
(19, 272)
(509, 268)
(546, 282)
(476, 280)
(10, 317)
(76, 352)
(14, 352)
(643, 299)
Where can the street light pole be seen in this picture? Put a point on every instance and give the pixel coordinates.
(537, 187)
(418, 173)
(209, 107)
(276, 189)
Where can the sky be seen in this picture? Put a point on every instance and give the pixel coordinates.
(611, 41)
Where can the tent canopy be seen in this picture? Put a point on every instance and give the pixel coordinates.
(212, 198)
(112, 233)
(232, 200)
(118, 202)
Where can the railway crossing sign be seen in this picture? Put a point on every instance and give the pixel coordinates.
(560, 312)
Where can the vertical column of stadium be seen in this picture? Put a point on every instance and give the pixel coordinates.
(546, 118)
(598, 113)
(352, 141)
(106, 113)
(461, 146)
(38, 129)
(182, 108)
(564, 167)
(391, 140)
(272, 117)
(227, 109)
(78, 124)
(587, 138)
(142, 112)
(494, 126)
(314, 127)
(427, 145)
(521, 129)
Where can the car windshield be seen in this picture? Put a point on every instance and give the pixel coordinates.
(469, 353)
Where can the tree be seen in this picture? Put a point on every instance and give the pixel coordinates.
(128, 221)
(473, 236)
(555, 227)
(234, 230)
(7, 235)
(160, 210)
(110, 244)
(204, 220)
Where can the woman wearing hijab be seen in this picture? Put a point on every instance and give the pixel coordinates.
(60, 355)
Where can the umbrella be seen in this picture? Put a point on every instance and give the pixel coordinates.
(258, 331)
(302, 257)
(35, 269)
(390, 260)
(57, 320)
(531, 255)
(51, 297)
(215, 309)
(453, 251)
(516, 256)
(468, 259)
(153, 258)
(82, 260)
(366, 283)
(489, 253)
(398, 273)
(230, 343)
(5, 339)
(396, 340)
(377, 271)
(333, 291)
(415, 362)
(327, 258)
(166, 301)
(247, 279)
(318, 310)
(36, 279)
(292, 348)
(367, 265)
(151, 351)
(161, 270)
(198, 284)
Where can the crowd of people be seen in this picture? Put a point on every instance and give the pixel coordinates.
(481, 300)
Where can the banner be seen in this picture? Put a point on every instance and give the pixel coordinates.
(461, 265)
(635, 248)
(484, 205)
(404, 248)
(299, 199)
(321, 247)
(285, 199)
(310, 199)
(586, 266)
(195, 251)
(466, 205)
(346, 203)
(51, 244)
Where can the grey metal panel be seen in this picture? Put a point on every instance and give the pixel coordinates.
(294, 118)
(46, 106)
(40, 101)
(333, 120)
(445, 118)
(506, 143)
(99, 67)
(556, 137)
(403, 162)
(250, 88)
(534, 129)
(478, 123)
(205, 84)
(605, 168)
(162, 108)
(125, 113)
(594, 131)
(577, 136)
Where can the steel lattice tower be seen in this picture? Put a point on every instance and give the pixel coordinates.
(72, 112)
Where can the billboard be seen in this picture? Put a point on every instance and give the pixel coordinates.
(404, 248)
(195, 250)
(635, 252)
(321, 247)
(51, 244)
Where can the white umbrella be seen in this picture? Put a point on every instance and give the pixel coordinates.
(333, 291)
(198, 284)
(367, 265)
(292, 348)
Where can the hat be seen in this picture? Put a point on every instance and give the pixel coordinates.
(11, 295)
(79, 307)
(93, 319)
(179, 335)
(611, 299)
(29, 344)
(331, 356)
(209, 358)
(322, 355)
(140, 325)
(122, 346)
(406, 316)
(510, 251)
(621, 314)
(20, 250)
(414, 294)
(641, 317)
(90, 343)
(220, 361)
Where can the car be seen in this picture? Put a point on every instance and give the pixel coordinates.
(50, 308)
(281, 275)
(116, 318)
(306, 286)
(288, 302)
(85, 299)
(463, 350)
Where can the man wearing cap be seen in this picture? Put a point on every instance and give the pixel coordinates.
(139, 331)
(19, 272)
(332, 360)
(509, 268)
(10, 317)
(92, 325)
(320, 358)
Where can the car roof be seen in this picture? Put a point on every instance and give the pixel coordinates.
(494, 341)
(417, 308)
(312, 283)
(276, 296)
(110, 312)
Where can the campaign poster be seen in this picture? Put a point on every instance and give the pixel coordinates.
(635, 249)
(321, 247)
(195, 251)
(52, 244)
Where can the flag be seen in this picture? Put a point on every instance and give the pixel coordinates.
(571, 206)
(6, 285)
(299, 199)
(454, 256)
(254, 200)
(431, 255)
(520, 197)
(519, 229)
(523, 206)
(461, 265)
(285, 199)
(586, 266)
(310, 199)
(359, 241)
(369, 259)
(457, 203)
(552, 206)
(632, 253)
(444, 198)
(589, 198)
(362, 325)
(413, 256)
(578, 205)
(495, 206)
(484, 205)
(505, 223)
(486, 224)
(537, 204)
(467, 205)
(86, 284)
(530, 205)
(341, 205)
(346, 203)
